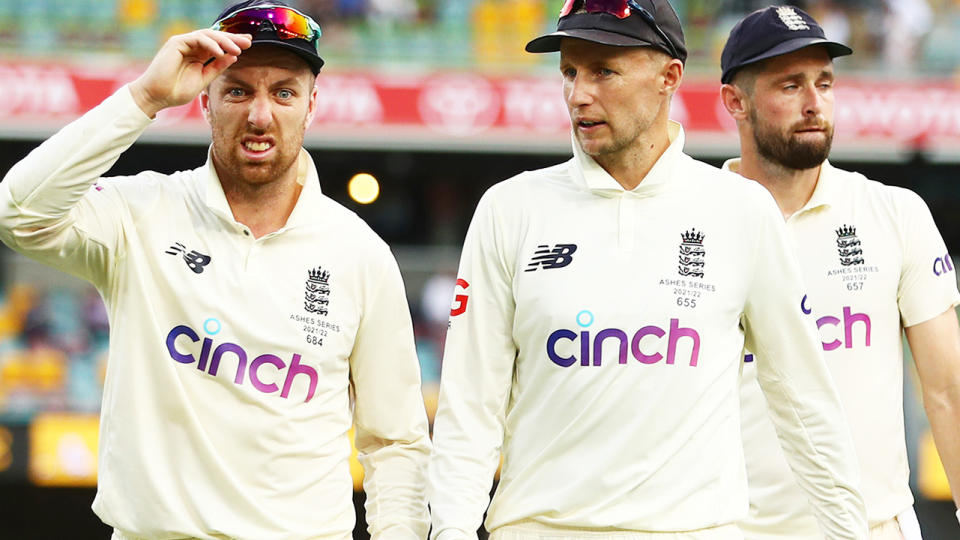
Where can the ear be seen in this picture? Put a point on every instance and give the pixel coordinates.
(672, 76)
(205, 104)
(312, 108)
(736, 101)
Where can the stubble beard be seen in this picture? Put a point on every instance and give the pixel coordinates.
(788, 151)
(612, 149)
(234, 169)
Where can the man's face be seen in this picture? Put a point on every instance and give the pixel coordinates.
(791, 113)
(258, 110)
(613, 94)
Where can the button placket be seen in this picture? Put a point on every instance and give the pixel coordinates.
(627, 212)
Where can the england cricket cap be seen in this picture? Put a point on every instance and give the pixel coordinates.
(624, 23)
(770, 32)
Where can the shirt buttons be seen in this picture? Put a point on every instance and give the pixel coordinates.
(246, 232)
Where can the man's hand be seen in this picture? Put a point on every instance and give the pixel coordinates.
(184, 66)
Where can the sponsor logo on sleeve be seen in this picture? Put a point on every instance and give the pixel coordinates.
(942, 265)
(460, 300)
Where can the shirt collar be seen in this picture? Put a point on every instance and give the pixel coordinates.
(823, 194)
(593, 177)
(307, 177)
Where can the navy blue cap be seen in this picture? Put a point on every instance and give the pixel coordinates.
(770, 32)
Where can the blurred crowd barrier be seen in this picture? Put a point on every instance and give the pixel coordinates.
(906, 35)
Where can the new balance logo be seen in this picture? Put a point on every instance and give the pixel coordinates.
(548, 258)
(195, 260)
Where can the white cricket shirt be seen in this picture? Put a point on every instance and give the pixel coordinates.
(236, 364)
(874, 262)
(596, 340)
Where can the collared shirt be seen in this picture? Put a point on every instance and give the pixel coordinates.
(237, 364)
(874, 262)
(597, 343)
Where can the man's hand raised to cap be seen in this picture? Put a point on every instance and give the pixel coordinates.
(180, 70)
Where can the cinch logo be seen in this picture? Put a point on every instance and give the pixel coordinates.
(849, 319)
(643, 349)
(210, 363)
(942, 265)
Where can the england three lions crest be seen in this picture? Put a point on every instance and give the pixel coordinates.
(692, 254)
(317, 293)
(848, 246)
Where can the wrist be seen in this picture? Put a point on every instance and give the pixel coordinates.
(142, 98)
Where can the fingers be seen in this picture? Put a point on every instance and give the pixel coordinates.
(174, 76)
(212, 43)
(215, 66)
(232, 43)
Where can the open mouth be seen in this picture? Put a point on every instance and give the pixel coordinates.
(254, 146)
(257, 148)
(588, 124)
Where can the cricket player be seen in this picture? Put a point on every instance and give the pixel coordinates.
(603, 304)
(252, 319)
(874, 263)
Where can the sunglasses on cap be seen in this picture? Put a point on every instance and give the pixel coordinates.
(287, 22)
(621, 9)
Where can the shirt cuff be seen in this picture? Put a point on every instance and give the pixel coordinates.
(958, 516)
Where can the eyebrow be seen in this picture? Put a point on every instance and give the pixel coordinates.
(801, 76)
(230, 79)
(289, 81)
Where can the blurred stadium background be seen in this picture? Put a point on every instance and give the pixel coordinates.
(435, 100)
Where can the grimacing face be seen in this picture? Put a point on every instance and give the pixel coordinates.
(791, 113)
(258, 110)
(613, 94)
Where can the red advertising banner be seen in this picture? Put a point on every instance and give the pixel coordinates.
(876, 119)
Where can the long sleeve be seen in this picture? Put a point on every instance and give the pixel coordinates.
(44, 208)
(805, 407)
(391, 424)
(476, 380)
